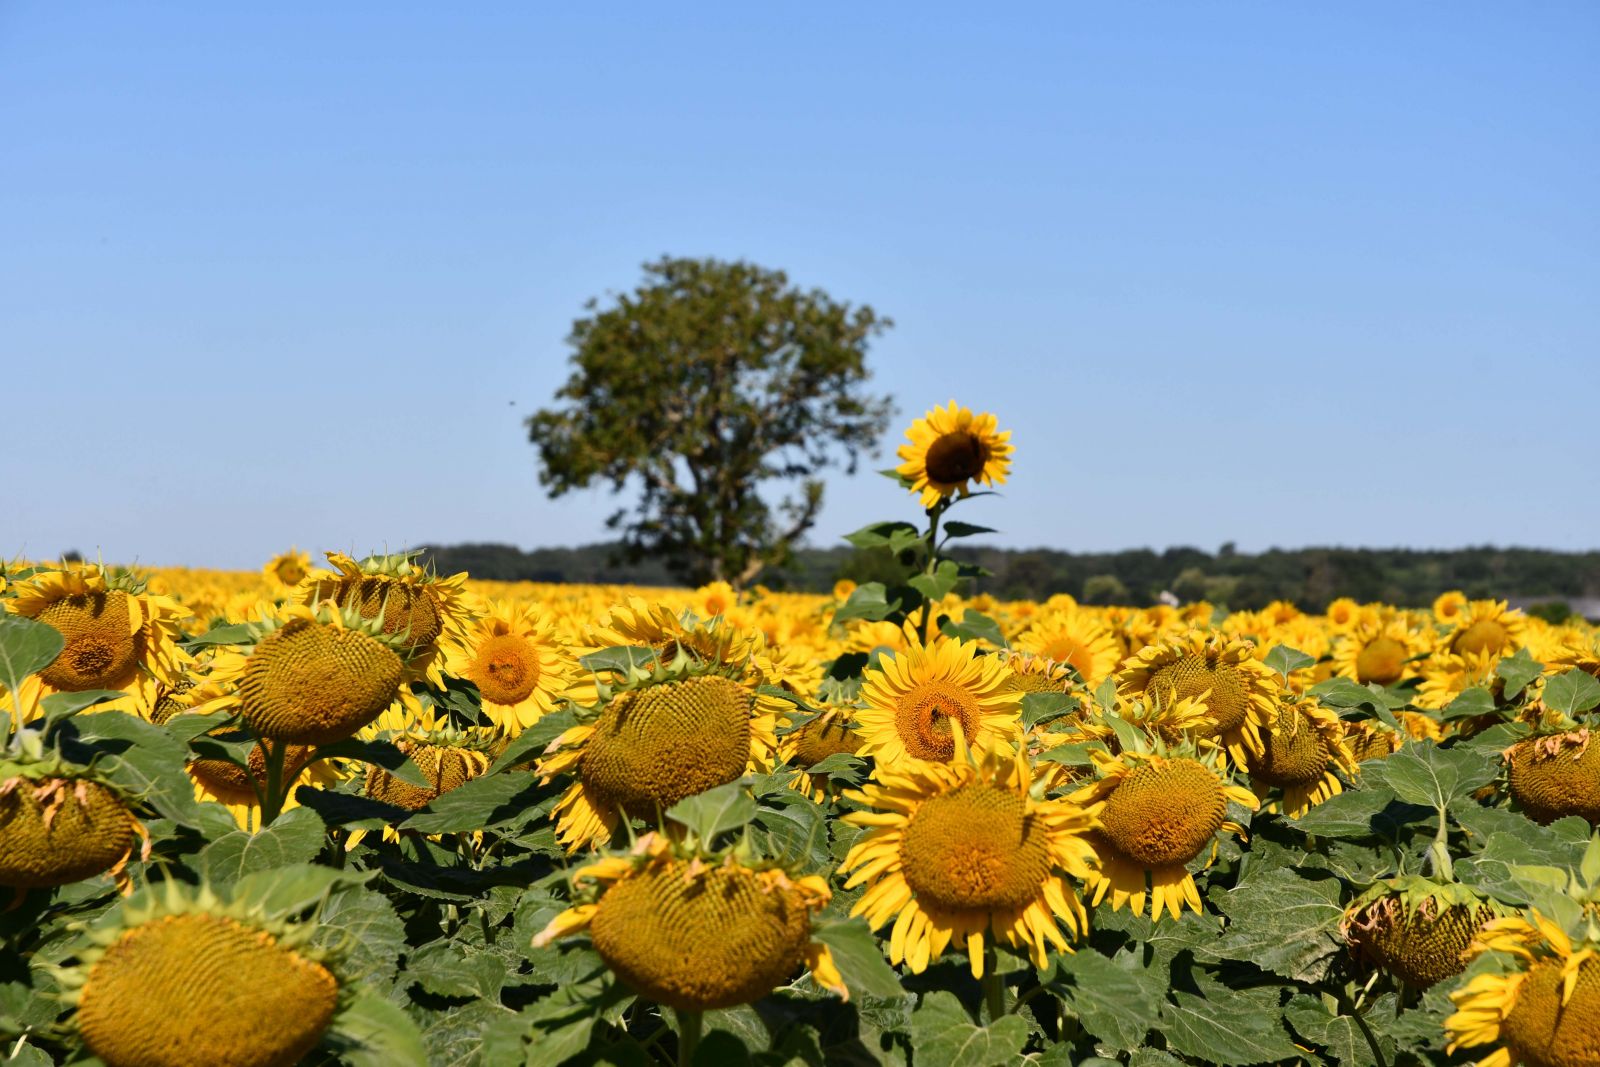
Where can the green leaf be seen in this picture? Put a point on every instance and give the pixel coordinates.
(1423, 773)
(1227, 1026)
(859, 959)
(619, 658)
(378, 753)
(65, 705)
(138, 756)
(373, 1032)
(943, 1033)
(867, 601)
(238, 633)
(974, 626)
(477, 805)
(1116, 1000)
(291, 889)
(294, 837)
(1518, 670)
(445, 969)
(1286, 660)
(877, 534)
(532, 741)
(1282, 923)
(1469, 704)
(1370, 810)
(935, 586)
(716, 811)
(26, 647)
(1350, 697)
(955, 528)
(1572, 692)
(1042, 707)
(1340, 1035)
(362, 925)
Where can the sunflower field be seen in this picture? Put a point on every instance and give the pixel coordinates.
(355, 811)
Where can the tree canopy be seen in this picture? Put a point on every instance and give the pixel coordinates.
(707, 381)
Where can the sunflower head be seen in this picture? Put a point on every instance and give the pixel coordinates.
(1554, 775)
(1486, 628)
(288, 569)
(179, 976)
(1416, 929)
(696, 931)
(61, 822)
(521, 667)
(950, 448)
(1301, 755)
(447, 759)
(914, 701)
(1219, 676)
(421, 611)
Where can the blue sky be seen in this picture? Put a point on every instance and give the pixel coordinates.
(1281, 274)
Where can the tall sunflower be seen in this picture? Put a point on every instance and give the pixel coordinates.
(694, 932)
(1076, 638)
(520, 666)
(1158, 813)
(950, 448)
(1236, 694)
(954, 851)
(118, 636)
(1546, 1012)
(913, 700)
(653, 740)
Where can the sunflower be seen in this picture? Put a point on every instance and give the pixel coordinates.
(953, 851)
(716, 598)
(118, 636)
(1158, 812)
(950, 447)
(240, 790)
(1546, 1013)
(427, 614)
(1486, 628)
(829, 733)
(1380, 652)
(1075, 637)
(1302, 755)
(1367, 739)
(1344, 613)
(842, 589)
(520, 667)
(1237, 694)
(914, 699)
(1031, 673)
(1447, 607)
(1446, 675)
(655, 739)
(288, 569)
(62, 822)
(1556, 775)
(696, 933)
(1416, 929)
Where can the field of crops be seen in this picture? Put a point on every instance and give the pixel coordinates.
(347, 810)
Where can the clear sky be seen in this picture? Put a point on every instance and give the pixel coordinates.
(1281, 274)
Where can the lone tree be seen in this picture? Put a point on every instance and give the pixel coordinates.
(706, 381)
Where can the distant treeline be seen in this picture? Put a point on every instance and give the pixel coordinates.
(1309, 577)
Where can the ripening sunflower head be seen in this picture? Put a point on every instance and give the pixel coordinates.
(1302, 755)
(696, 933)
(1033, 673)
(953, 851)
(426, 614)
(1237, 695)
(1545, 1012)
(311, 676)
(118, 636)
(177, 976)
(1158, 813)
(831, 732)
(653, 740)
(1416, 929)
(1555, 775)
(288, 569)
(61, 823)
(950, 448)
(1379, 651)
(1486, 628)
(1368, 739)
(1077, 638)
(670, 635)
(914, 700)
(520, 666)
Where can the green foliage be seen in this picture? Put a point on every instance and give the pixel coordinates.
(705, 382)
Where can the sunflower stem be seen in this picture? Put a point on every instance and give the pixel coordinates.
(689, 1023)
(994, 986)
(931, 565)
(272, 802)
(1439, 851)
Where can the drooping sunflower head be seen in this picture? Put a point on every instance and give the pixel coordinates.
(312, 676)
(831, 732)
(1302, 755)
(1368, 739)
(1380, 652)
(1545, 1010)
(914, 700)
(288, 569)
(1158, 812)
(1416, 929)
(60, 822)
(177, 976)
(670, 635)
(697, 932)
(1555, 775)
(1034, 673)
(118, 635)
(950, 448)
(448, 758)
(659, 737)
(1486, 628)
(1237, 695)
(955, 850)
(426, 614)
(519, 664)
(1076, 638)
